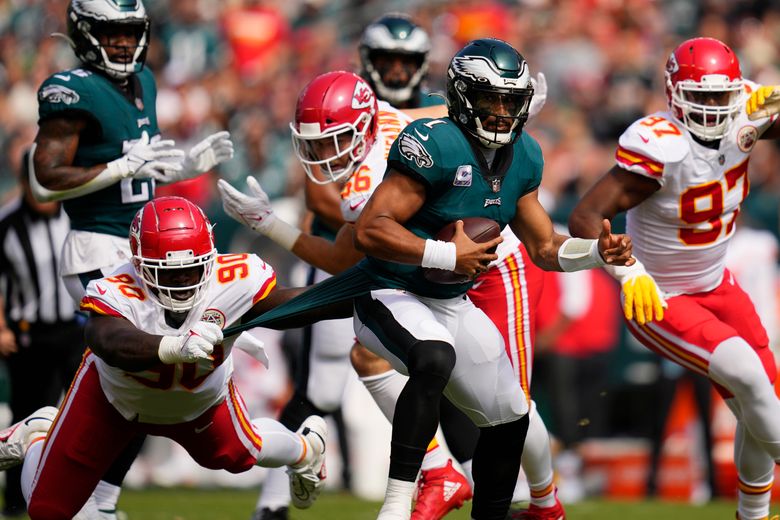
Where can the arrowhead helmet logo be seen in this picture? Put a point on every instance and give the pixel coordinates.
(363, 96)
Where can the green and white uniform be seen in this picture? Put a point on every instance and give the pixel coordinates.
(100, 220)
(459, 184)
(410, 309)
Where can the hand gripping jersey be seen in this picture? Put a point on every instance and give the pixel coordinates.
(114, 123)
(459, 184)
(681, 232)
(367, 176)
(169, 394)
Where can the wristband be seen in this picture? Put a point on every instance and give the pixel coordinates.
(439, 255)
(115, 171)
(282, 233)
(577, 254)
(168, 352)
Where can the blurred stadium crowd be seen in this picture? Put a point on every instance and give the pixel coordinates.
(239, 65)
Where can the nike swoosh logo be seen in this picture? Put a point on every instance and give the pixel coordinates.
(644, 139)
(353, 207)
(100, 289)
(477, 284)
(62, 77)
(203, 429)
(421, 136)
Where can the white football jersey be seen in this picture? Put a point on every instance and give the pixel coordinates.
(681, 232)
(169, 394)
(367, 176)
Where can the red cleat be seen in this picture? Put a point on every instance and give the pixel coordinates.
(534, 512)
(439, 491)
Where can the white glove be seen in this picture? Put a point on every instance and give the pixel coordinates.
(642, 299)
(148, 160)
(540, 95)
(213, 150)
(255, 212)
(197, 343)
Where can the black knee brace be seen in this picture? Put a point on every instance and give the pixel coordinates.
(430, 364)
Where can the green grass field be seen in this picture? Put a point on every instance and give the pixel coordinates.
(196, 504)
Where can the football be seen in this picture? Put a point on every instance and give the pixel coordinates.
(477, 229)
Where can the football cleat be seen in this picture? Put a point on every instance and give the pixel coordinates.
(270, 514)
(439, 491)
(535, 512)
(308, 478)
(15, 439)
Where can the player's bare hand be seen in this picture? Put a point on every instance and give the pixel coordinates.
(614, 249)
(7, 342)
(472, 258)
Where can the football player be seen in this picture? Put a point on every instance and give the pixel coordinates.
(99, 150)
(341, 135)
(157, 364)
(681, 175)
(430, 358)
(394, 60)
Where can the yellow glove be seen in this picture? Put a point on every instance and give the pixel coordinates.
(763, 102)
(642, 299)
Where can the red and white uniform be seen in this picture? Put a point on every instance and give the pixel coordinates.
(681, 233)
(195, 404)
(367, 176)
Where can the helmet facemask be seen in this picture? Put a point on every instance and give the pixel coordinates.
(336, 151)
(91, 31)
(707, 107)
(376, 63)
(157, 273)
(494, 115)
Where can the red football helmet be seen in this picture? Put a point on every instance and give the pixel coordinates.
(704, 87)
(335, 125)
(167, 234)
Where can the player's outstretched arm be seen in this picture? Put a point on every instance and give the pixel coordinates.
(256, 213)
(54, 177)
(615, 192)
(120, 344)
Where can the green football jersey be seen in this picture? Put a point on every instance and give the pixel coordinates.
(458, 184)
(114, 124)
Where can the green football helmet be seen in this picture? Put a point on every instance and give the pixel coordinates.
(89, 20)
(394, 36)
(489, 91)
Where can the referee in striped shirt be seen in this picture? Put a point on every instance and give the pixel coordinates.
(40, 336)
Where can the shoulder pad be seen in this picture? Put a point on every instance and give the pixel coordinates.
(650, 143)
(63, 91)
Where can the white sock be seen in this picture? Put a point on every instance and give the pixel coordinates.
(106, 496)
(30, 467)
(756, 472)
(398, 500)
(281, 447)
(466, 466)
(385, 389)
(275, 493)
(537, 461)
(436, 458)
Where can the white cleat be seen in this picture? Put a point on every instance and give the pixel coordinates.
(15, 439)
(308, 478)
